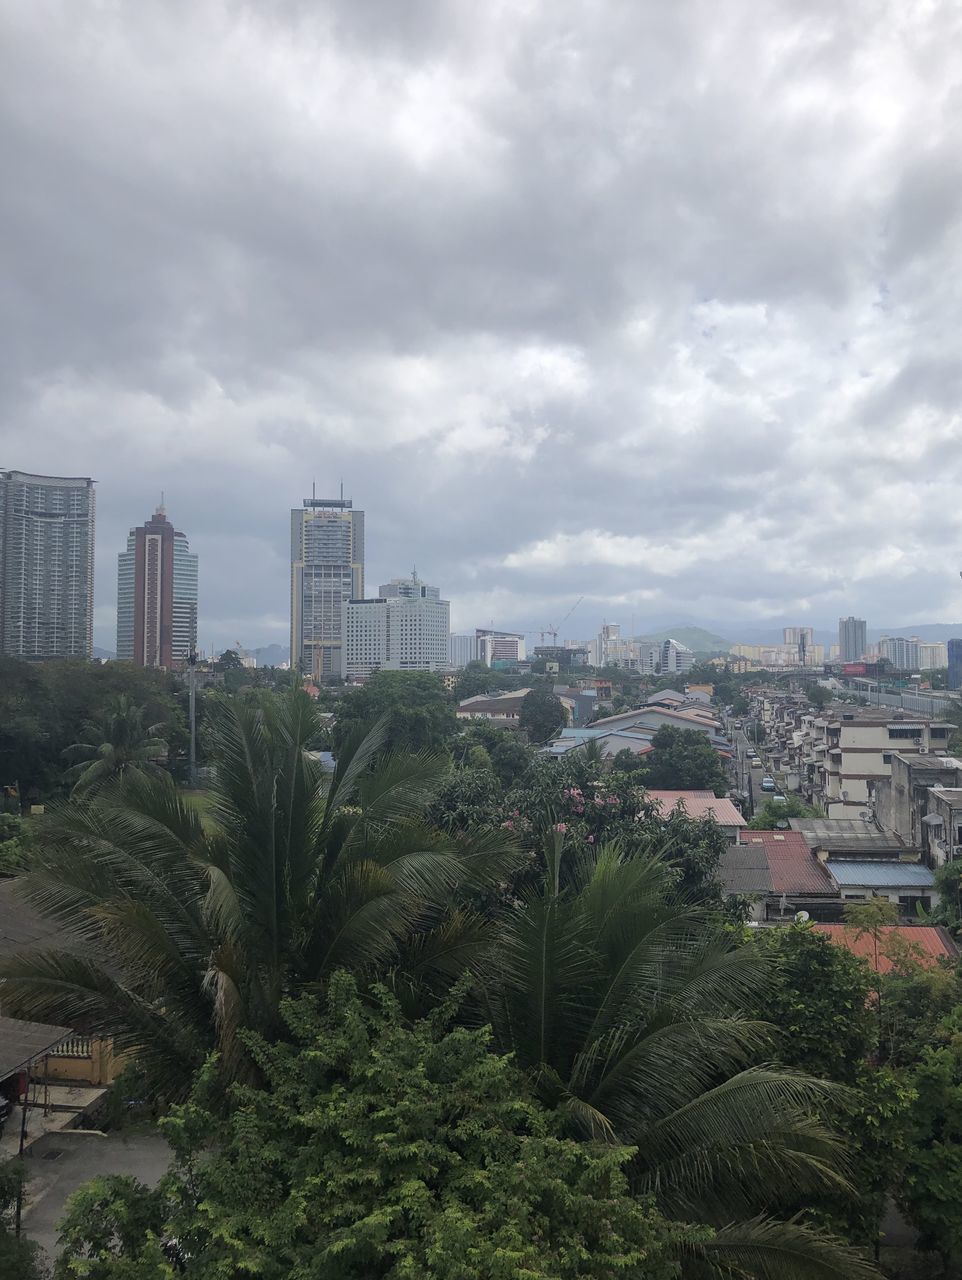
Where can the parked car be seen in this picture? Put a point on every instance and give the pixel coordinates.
(768, 784)
(756, 763)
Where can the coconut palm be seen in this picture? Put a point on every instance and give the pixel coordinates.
(625, 1005)
(117, 743)
(187, 932)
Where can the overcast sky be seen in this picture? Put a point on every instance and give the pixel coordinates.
(655, 303)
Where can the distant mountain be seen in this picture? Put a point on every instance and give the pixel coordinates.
(928, 631)
(696, 638)
(103, 653)
(270, 655)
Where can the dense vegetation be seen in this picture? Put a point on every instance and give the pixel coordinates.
(463, 1010)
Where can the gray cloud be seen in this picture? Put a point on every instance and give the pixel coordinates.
(654, 304)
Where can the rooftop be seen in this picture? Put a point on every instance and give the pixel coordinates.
(773, 862)
(699, 804)
(880, 875)
(927, 943)
(849, 836)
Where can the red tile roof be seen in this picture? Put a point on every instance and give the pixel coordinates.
(927, 943)
(793, 866)
(699, 804)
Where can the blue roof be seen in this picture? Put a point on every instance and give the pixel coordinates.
(880, 874)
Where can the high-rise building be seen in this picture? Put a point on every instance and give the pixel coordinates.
(955, 664)
(676, 656)
(327, 570)
(462, 650)
(156, 595)
(499, 646)
(933, 655)
(46, 565)
(852, 639)
(400, 630)
(901, 652)
(796, 635)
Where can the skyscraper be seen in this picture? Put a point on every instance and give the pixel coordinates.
(327, 570)
(955, 664)
(46, 565)
(156, 595)
(405, 628)
(852, 639)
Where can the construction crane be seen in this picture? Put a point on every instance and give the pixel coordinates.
(552, 631)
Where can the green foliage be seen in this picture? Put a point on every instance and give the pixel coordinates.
(44, 706)
(382, 1148)
(415, 706)
(117, 743)
(110, 1231)
(817, 999)
(772, 812)
(13, 844)
(684, 760)
(948, 884)
(931, 1192)
(18, 1258)
(541, 715)
(468, 798)
(229, 660)
(197, 930)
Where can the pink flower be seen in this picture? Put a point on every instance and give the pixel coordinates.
(613, 800)
(598, 800)
(509, 825)
(560, 827)
(591, 839)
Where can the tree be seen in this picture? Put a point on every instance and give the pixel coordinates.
(819, 696)
(415, 706)
(111, 1230)
(628, 1010)
(117, 744)
(229, 660)
(18, 1256)
(774, 811)
(684, 760)
(195, 932)
(541, 715)
(931, 1191)
(382, 1148)
(467, 799)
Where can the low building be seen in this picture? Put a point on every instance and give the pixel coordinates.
(501, 709)
(908, 885)
(778, 871)
(701, 804)
(928, 945)
(609, 742)
(901, 801)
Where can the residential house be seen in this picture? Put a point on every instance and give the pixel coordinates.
(782, 876)
(701, 804)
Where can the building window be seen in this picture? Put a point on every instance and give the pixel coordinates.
(886, 757)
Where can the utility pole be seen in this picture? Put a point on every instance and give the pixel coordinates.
(192, 713)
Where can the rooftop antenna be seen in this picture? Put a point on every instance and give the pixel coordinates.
(342, 490)
(313, 490)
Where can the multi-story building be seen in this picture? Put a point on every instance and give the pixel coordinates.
(836, 757)
(156, 595)
(499, 646)
(402, 630)
(676, 657)
(852, 638)
(933, 656)
(462, 650)
(46, 565)
(327, 570)
(954, 648)
(901, 652)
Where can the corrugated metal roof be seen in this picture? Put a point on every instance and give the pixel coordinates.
(928, 943)
(743, 868)
(880, 874)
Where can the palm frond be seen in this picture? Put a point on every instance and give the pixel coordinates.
(766, 1249)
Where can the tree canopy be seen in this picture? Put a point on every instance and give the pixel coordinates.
(415, 706)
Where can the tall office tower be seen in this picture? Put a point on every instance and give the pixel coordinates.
(406, 630)
(46, 565)
(955, 664)
(676, 656)
(462, 650)
(852, 639)
(156, 595)
(327, 570)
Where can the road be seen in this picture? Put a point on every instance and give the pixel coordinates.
(744, 773)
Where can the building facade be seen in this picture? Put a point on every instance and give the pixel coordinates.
(156, 595)
(462, 650)
(46, 565)
(955, 664)
(852, 639)
(327, 570)
(405, 631)
(901, 652)
(499, 646)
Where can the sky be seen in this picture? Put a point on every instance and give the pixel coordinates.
(655, 304)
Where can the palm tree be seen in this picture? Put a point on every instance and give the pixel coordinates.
(625, 1005)
(185, 934)
(117, 745)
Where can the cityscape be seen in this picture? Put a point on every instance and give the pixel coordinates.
(480, 640)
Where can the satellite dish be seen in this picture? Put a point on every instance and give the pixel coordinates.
(802, 917)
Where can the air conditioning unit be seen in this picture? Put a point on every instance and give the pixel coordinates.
(923, 751)
(917, 741)
(957, 851)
